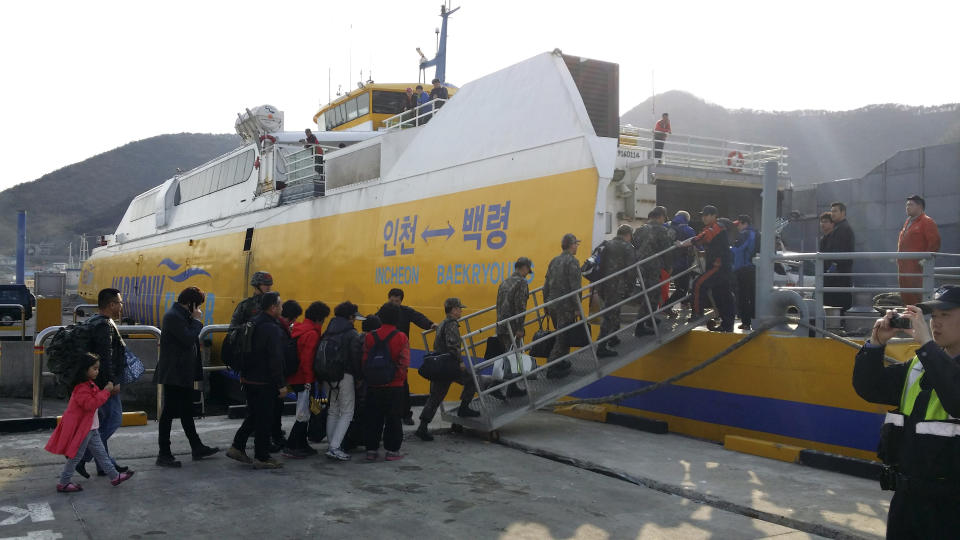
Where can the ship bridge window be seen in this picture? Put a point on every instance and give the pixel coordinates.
(227, 173)
(347, 111)
(363, 104)
(351, 110)
(387, 102)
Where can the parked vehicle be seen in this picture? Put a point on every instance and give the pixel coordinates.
(15, 294)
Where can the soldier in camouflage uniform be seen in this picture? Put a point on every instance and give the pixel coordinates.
(562, 278)
(618, 254)
(448, 341)
(512, 300)
(261, 282)
(650, 238)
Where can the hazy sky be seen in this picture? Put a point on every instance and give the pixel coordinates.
(82, 78)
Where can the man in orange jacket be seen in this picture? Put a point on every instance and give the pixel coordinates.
(919, 233)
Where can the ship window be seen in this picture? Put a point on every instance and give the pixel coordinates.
(351, 110)
(143, 206)
(227, 173)
(387, 102)
(363, 104)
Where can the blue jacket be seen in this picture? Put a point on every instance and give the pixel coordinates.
(681, 231)
(744, 248)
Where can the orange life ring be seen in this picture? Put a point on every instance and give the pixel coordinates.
(736, 165)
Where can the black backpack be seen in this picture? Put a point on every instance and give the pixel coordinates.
(330, 360)
(66, 348)
(379, 368)
(237, 346)
(291, 358)
(591, 267)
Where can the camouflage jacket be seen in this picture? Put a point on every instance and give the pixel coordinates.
(245, 310)
(563, 276)
(448, 337)
(618, 255)
(511, 300)
(653, 238)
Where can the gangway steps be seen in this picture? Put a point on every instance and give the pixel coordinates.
(543, 391)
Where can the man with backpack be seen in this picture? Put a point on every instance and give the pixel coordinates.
(407, 315)
(680, 225)
(649, 239)
(262, 378)
(306, 335)
(448, 341)
(261, 282)
(106, 343)
(386, 357)
(618, 254)
(338, 365)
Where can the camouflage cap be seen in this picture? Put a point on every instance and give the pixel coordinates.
(261, 278)
(568, 240)
(451, 303)
(521, 262)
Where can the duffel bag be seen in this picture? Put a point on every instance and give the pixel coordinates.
(542, 349)
(440, 367)
(575, 335)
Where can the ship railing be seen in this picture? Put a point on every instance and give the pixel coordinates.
(883, 287)
(417, 116)
(301, 167)
(472, 337)
(706, 152)
(79, 308)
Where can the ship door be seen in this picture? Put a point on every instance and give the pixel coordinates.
(246, 263)
(130, 308)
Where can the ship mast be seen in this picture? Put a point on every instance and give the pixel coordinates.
(440, 61)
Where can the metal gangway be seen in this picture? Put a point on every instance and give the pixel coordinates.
(586, 366)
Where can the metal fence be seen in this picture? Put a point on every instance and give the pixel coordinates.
(417, 116)
(706, 152)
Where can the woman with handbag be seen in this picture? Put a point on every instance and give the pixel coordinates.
(178, 367)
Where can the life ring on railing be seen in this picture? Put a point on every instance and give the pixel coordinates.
(735, 161)
(273, 140)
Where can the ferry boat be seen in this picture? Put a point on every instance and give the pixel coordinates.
(444, 206)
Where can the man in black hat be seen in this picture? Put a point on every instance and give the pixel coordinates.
(920, 441)
(717, 279)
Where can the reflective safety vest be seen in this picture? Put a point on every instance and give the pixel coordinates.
(926, 446)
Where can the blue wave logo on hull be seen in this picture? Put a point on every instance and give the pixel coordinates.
(169, 264)
(189, 273)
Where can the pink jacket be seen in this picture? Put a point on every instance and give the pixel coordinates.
(77, 419)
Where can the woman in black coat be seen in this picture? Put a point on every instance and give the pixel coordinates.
(178, 367)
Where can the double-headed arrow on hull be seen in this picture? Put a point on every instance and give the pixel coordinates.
(427, 233)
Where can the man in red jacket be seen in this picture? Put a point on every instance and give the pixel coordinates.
(919, 233)
(384, 403)
(660, 132)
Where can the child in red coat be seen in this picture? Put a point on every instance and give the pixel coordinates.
(78, 428)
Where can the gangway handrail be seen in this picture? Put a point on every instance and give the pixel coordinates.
(38, 349)
(78, 307)
(422, 110)
(23, 318)
(652, 311)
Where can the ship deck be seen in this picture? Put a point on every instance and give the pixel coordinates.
(604, 481)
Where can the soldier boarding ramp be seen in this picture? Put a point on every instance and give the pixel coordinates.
(585, 365)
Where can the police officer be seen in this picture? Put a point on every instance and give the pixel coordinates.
(261, 282)
(920, 441)
(562, 278)
(618, 254)
(512, 298)
(651, 238)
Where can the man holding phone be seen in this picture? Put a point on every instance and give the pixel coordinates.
(920, 440)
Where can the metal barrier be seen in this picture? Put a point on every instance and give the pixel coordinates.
(421, 114)
(38, 348)
(706, 152)
(930, 277)
(468, 345)
(78, 307)
(23, 319)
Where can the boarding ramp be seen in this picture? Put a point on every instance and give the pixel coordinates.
(586, 366)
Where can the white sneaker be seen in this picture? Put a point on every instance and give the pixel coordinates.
(340, 454)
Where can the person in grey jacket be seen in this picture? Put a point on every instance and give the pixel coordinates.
(178, 367)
